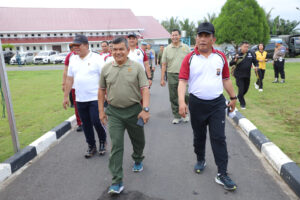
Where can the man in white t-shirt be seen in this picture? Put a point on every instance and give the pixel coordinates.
(84, 74)
(138, 55)
(105, 49)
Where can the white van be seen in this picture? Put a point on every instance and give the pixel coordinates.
(44, 57)
(26, 58)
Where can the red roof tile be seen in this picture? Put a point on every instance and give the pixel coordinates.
(152, 28)
(66, 19)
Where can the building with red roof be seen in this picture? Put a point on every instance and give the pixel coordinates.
(37, 29)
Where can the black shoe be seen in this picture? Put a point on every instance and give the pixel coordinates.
(225, 180)
(79, 128)
(102, 148)
(199, 166)
(90, 152)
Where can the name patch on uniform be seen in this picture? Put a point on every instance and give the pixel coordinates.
(249, 55)
(218, 72)
(129, 69)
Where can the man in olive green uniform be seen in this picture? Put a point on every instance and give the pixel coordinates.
(172, 58)
(123, 80)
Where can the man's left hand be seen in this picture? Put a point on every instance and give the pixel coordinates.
(232, 105)
(145, 115)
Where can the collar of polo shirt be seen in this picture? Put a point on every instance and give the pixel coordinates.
(198, 53)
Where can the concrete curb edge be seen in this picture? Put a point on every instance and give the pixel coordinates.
(282, 164)
(18, 160)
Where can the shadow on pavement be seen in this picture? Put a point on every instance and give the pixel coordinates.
(126, 195)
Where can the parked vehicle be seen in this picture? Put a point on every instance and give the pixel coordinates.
(293, 43)
(44, 57)
(26, 58)
(269, 48)
(7, 56)
(60, 58)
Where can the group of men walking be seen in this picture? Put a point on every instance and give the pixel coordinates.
(122, 77)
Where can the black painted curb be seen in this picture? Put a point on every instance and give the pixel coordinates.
(21, 158)
(257, 138)
(290, 172)
(25, 155)
(237, 117)
(61, 129)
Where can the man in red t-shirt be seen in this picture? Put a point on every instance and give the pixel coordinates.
(79, 123)
(206, 72)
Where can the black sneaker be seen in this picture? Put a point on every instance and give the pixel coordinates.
(79, 128)
(199, 166)
(90, 152)
(102, 148)
(225, 180)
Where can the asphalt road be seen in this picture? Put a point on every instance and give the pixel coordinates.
(64, 174)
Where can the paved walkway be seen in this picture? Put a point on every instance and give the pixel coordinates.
(64, 174)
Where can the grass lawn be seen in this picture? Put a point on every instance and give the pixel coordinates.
(37, 102)
(276, 110)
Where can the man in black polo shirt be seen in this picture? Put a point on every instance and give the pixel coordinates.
(243, 61)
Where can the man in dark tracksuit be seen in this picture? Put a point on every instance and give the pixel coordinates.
(206, 72)
(243, 61)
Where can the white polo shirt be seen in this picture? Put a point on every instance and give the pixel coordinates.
(138, 55)
(86, 74)
(205, 75)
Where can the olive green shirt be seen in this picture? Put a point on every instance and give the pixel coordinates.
(123, 83)
(173, 57)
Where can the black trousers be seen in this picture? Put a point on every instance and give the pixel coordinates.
(209, 113)
(89, 115)
(279, 69)
(243, 86)
(261, 75)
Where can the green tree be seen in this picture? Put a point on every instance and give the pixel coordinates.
(189, 27)
(281, 26)
(241, 20)
(10, 46)
(170, 24)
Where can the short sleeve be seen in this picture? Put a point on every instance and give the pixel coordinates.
(145, 56)
(102, 82)
(164, 56)
(70, 68)
(225, 71)
(185, 67)
(143, 81)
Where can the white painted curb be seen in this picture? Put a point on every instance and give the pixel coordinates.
(5, 171)
(247, 126)
(43, 142)
(72, 120)
(274, 155)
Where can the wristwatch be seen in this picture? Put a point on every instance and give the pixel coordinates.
(146, 109)
(233, 98)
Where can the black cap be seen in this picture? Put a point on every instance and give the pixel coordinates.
(132, 34)
(80, 39)
(206, 27)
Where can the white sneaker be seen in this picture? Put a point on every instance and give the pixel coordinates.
(260, 90)
(243, 108)
(256, 86)
(176, 121)
(186, 119)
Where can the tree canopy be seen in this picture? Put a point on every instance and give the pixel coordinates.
(242, 20)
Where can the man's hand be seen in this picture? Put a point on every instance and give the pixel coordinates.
(183, 109)
(103, 118)
(66, 103)
(145, 115)
(153, 69)
(162, 82)
(232, 105)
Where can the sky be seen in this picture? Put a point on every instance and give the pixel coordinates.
(163, 9)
